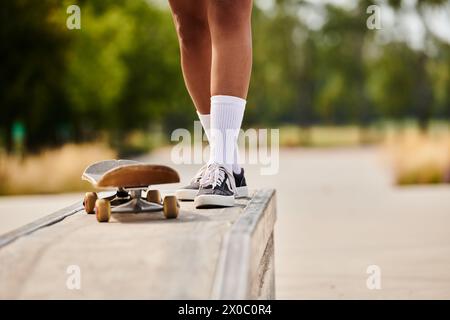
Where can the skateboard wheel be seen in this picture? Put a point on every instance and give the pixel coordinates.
(102, 210)
(89, 202)
(171, 207)
(154, 196)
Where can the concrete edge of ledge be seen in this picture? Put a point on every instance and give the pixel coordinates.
(40, 223)
(243, 251)
(45, 221)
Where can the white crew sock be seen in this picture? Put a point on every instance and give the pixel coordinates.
(226, 119)
(205, 120)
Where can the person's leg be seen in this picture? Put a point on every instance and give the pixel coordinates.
(191, 21)
(230, 27)
(229, 23)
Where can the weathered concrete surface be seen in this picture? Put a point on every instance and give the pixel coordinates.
(133, 256)
(15, 211)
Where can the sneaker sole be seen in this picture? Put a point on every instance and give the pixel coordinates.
(242, 192)
(189, 194)
(186, 194)
(209, 201)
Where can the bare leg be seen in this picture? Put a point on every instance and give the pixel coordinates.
(230, 27)
(191, 21)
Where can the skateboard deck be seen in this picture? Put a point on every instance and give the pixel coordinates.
(128, 174)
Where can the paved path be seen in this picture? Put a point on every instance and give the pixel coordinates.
(338, 213)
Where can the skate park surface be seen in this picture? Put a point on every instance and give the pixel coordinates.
(338, 213)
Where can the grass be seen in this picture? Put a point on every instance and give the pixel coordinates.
(328, 136)
(51, 171)
(419, 158)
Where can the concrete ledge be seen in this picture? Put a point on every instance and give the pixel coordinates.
(215, 253)
(44, 221)
(246, 265)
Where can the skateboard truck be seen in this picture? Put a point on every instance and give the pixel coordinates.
(134, 204)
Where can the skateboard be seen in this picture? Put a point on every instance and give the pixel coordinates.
(129, 179)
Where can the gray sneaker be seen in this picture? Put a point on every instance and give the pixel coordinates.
(217, 188)
(241, 184)
(190, 191)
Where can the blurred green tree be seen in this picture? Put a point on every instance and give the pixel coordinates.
(33, 62)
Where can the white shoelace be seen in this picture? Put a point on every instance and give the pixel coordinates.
(198, 176)
(215, 174)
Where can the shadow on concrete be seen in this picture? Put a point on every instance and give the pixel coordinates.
(157, 217)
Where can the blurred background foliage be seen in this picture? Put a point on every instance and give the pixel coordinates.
(118, 78)
(121, 73)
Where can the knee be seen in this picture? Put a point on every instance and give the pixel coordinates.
(191, 30)
(230, 14)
